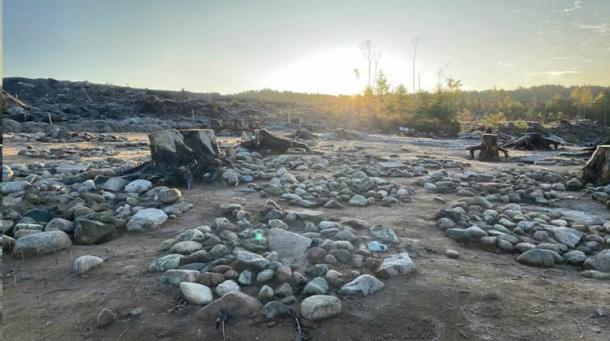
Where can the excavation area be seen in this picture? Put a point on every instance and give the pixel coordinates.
(378, 237)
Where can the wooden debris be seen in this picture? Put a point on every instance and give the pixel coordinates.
(263, 139)
(535, 141)
(597, 169)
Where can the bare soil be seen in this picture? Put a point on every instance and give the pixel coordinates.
(480, 296)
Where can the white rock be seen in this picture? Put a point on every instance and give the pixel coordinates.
(196, 293)
(85, 263)
(146, 219)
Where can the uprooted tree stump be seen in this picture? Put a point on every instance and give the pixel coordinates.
(263, 139)
(488, 149)
(534, 141)
(180, 156)
(597, 169)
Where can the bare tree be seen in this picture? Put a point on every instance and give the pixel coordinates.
(371, 54)
(414, 44)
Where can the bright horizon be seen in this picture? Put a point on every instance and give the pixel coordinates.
(312, 47)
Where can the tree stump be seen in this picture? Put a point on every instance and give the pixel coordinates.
(488, 149)
(597, 169)
(263, 139)
(535, 141)
(180, 156)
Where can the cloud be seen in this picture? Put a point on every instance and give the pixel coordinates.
(600, 29)
(563, 73)
(576, 6)
(506, 64)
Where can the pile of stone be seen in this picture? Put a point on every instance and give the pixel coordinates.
(601, 194)
(542, 237)
(347, 186)
(46, 207)
(73, 152)
(511, 185)
(278, 262)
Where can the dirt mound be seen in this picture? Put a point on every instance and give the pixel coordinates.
(105, 108)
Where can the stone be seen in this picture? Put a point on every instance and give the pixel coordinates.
(167, 262)
(396, 264)
(105, 318)
(275, 309)
(363, 284)
(115, 184)
(138, 186)
(61, 224)
(186, 247)
(375, 246)
(284, 290)
(575, 257)
(289, 246)
(537, 257)
(196, 293)
(89, 231)
(451, 253)
(236, 303)
(384, 234)
(41, 243)
(317, 286)
(177, 276)
(573, 184)
(231, 177)
(264, 276)
(169, 195)
(146, 219)
(283, 273)
(465, 235)
(245, 278)
(211, 279)
(13, 186)
(445, 223)
(357, 224)
(602, 261)
(319, 307)
(566, 235)
(266, 293)
(250, 259)
(227, 287)
(83, 264)
(358, 200)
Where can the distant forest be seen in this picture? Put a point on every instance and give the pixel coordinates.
(447, 107)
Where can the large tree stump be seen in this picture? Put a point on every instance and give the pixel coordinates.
(263, 139)
(180, 156)
(488, 149)
(535, 141)
(597, 169)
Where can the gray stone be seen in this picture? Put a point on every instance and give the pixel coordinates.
(226, 287)
(13, 186)
(177, 276)
(41, 243)
(171, 261)
(186, 247)
(169, 195)
(602, 261)
(319, 307)
(264, 276)
(245, 278)
(138, 186)
(289, 246)
(358, 200)
(275, 309)
(146, 219)
(105, 318)
(83, 264)
(363, 284)
(196, 293)
(537, 257)
(266, 293)
(384, 234)
(93, 231)
(115, 184)
(396, 264)
(250, 259)
(566, 235)
(60, 224)
(236, 303)
(575, 257)
(317, 286)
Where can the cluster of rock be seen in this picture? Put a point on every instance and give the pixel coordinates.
(45, 207)
(601, 194)
(73, 152)
(541, 237)
(46, 132)
(288, 261)
(512, 185)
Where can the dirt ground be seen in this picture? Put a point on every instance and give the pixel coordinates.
(479, 296)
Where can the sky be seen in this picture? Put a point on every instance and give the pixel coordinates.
(307, 46)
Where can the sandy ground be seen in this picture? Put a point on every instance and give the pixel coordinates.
(480, 296)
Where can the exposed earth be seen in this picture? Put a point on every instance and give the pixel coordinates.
(481, 295)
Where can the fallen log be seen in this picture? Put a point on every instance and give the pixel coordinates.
(263, 139)
(488, 149)
(597, 169)
(535, 141)
(178, 157)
